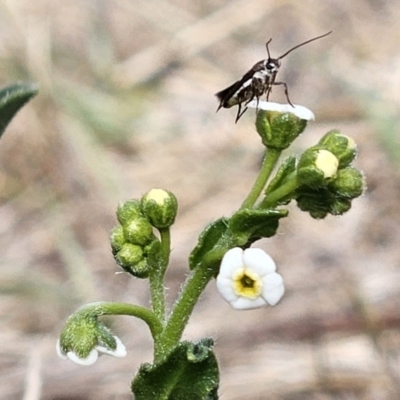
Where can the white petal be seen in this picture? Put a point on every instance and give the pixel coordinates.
(273, 289)
(259, 261)
(59, 351)
(299, 111)
(244, 303)
(120, 351)
(225, 287)
(232, 260)
(89, 360)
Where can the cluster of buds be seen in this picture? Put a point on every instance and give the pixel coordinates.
(135, 247)
(322, 181)
(327, 180)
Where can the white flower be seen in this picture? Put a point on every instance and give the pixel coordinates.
(247, 279)
(91, 358)
(299, 111)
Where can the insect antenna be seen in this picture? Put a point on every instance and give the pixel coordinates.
(299, 45)
(266, 45)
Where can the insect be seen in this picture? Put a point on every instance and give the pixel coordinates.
(256, 82)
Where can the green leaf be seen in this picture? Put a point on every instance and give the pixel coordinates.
(189, 372)
(208, 240)
(12, 98)
(256, 224)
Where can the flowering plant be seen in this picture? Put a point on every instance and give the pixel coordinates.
(321, 180)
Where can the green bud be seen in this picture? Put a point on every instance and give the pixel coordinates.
(160, 207)
(349, 183)
(138, 231)
(79, 335)
(316, 166)
(141, 269)
(84, 337)
(128, 210)
(117, 238)
(129, 256)
(342, 146)
(132, 259)
(278, 130)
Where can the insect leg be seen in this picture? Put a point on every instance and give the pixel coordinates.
(286, 91)
(240, 113)
(269, 89)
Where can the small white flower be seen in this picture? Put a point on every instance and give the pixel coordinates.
(91, 358)
(247, 279)
(299, 111)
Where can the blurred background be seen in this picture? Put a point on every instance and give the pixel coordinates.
(126, 103)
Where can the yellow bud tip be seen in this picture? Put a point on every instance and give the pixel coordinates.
(327, 163)
(157, 195)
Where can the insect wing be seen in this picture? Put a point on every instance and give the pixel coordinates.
(227, 96)
(241, 90)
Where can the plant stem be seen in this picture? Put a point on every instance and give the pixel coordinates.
(270, 159)
(281, 192)
(190, 293)
(156, 278)
(110, 308)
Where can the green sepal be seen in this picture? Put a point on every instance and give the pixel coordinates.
(349, 183)
(12, 98)
(278, 130)
(189, 372)
(79, 335)
(208, 240)
(285, 169)
(321, 202)
(251, 225)
(342, 146)
(153, 254)
(317, 202)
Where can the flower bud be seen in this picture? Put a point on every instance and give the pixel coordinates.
(278, 130)
(131, 258)
(127, 210)
(160, 207)
(342, 146)
(316, 166)
(138, 231)
(117, 238)
(349, 183)
(84, 337)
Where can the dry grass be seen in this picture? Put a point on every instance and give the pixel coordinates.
(126, 104)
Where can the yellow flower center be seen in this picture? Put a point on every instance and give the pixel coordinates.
(247, 284)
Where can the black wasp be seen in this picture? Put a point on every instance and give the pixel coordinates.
(256, 82)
